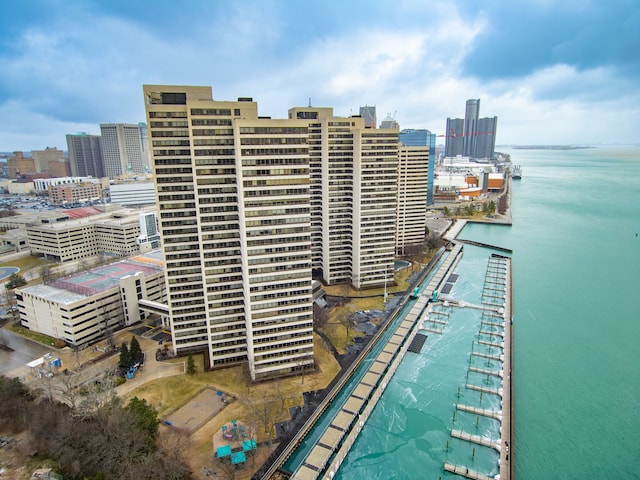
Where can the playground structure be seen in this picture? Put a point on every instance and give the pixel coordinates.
(235, 443)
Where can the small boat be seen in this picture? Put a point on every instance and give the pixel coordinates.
(516, 172)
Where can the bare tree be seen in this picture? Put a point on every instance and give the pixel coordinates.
(265, 411)
(320, 317)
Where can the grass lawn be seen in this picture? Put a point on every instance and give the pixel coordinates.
(25, 332)
(25, 263)
(169, 394)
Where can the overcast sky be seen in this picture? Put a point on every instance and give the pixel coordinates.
(554, 72)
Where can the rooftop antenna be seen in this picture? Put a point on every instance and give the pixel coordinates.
(309, 102)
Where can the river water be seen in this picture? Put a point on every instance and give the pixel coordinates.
(576, 260)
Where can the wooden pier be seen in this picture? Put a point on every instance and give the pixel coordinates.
(465, 472)
(486, 332)
(496, 415)
(335, 442)
(491, 344)
(488, 356)
(477, 388)
(485, 442)
(484, 371)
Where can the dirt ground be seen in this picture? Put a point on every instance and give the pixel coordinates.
(198, 411)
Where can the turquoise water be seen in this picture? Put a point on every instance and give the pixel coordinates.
(576, 263)
(576, 336)
(296, 459)
(407, 435)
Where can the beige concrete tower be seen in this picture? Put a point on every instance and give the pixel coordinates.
(234, 212)
(413, 169)
(353, 197)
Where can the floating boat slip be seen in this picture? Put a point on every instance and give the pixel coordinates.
(485, 442)
(465, 472)
(497, 415)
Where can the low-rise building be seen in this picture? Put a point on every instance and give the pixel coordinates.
(75, 193)
(132, 193)
(89, 306)
(62, 239)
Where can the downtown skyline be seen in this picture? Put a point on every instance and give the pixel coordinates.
(553, 72)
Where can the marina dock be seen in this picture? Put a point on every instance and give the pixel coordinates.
(324, 458)
(333, 437)
(496, 295)
(465, 472)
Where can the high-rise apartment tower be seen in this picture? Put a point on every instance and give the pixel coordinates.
(234, 212)
(354, 171)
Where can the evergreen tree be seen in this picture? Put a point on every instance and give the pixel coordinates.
(15, 281)
(146, 417)
(134, 350)
(191, 365)
(125, 356)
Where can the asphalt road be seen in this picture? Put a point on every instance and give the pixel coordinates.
(24, 351)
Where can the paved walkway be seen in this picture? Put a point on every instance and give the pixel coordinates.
(91, 363)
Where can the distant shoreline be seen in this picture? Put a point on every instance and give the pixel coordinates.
(550, 147)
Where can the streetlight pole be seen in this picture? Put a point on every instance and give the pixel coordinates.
(385, 283)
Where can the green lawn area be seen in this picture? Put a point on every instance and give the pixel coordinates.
(25, 332)
(25, 263)
(169, 394)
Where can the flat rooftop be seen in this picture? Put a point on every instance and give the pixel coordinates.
(90, 282)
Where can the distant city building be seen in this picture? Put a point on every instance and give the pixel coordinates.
(390, 122)
(132, 194)
(454, 141)
(485, 145)
(85, 155)
(422, 138)
(368, 114)
(122, 149)
(20, 187)
(18, 164)
(146, 147)
(42, 184)
(42, 158)
(59, 168)
(88, 307)
(472, 137)
(75, 193)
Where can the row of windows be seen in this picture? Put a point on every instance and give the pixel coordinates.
(277, 192)
(274, 161)
(212, 141)
(275, 182)
(275, 211)
(274, 130)
(210, 121)
(269, 222)
(213, 111)
(165, 124)
(252, 152)
(272, 140)
(168, 114)
(215, 161)
(266, 202)
(170, 133)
